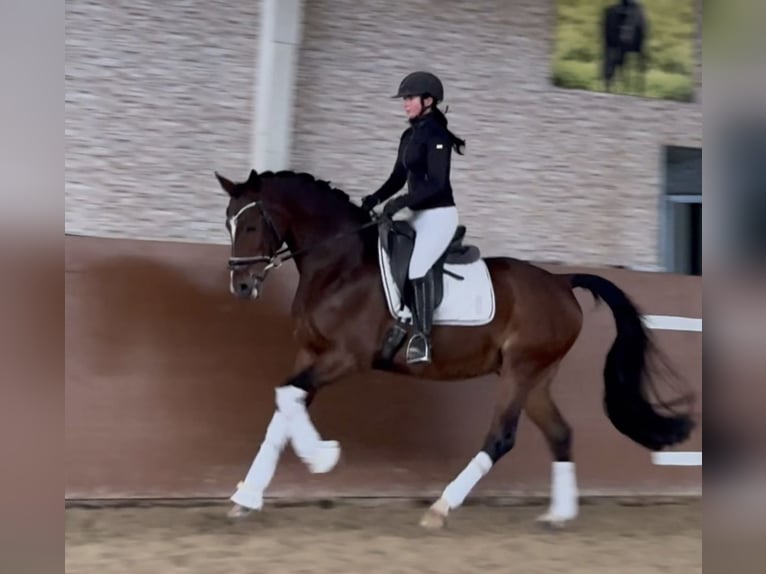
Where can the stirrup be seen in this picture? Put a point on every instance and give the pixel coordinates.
(418, 349)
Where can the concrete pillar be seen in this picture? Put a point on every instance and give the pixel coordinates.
(281, 29)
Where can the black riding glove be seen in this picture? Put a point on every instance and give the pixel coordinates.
(395, 205)
(369, 202)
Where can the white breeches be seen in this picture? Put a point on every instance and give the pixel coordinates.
(435, 229)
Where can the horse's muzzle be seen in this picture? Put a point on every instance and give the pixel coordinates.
(245, 288)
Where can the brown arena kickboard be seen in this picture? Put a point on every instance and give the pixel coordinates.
(169, 383)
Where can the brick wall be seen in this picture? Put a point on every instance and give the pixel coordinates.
(159, 95)
(548, 173)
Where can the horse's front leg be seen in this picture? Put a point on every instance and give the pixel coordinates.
(292, 422)
(294, 398)
(249, 493)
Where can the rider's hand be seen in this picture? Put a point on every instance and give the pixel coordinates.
(394, 205)
(369, 202)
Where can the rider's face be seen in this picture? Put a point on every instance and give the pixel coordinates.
(413, 107)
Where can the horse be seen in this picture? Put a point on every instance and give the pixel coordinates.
(624, 31)
(346, 324)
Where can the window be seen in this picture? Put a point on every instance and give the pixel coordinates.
(681, 211)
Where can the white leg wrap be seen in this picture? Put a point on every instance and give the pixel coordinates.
(250, 491)
(305, 438)
(563, 491)
(459, 488)
(318, 454)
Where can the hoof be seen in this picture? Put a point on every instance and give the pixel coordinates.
(436, 516)
(245, 499)
(553, 521)
(432, 520)
(238, 511)
(326, 457)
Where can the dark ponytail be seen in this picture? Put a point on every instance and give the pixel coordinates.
(457, 143)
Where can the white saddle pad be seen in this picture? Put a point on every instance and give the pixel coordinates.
(469, 302)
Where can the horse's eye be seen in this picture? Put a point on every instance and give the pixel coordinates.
(250, 228)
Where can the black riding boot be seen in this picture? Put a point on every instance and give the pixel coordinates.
(419, 347)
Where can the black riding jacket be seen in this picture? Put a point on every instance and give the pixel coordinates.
(423, 163)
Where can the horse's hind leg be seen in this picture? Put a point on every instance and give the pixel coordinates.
(516, 383)
(543, 412)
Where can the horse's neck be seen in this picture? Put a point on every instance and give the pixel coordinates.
(321, 259)
(325, 246)
(323, 252)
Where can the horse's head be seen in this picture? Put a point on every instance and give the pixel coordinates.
(255, 235)
(308, 215)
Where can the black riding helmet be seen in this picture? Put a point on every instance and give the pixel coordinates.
(421, 84)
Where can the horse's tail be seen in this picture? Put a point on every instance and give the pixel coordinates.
(627, 380)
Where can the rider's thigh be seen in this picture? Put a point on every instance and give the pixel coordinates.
(434, 228)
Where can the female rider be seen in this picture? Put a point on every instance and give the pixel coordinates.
(423, 163)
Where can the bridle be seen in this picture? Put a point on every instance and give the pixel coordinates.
(273, 261)
(283, 254)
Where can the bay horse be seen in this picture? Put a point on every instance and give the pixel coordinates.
(343, 325)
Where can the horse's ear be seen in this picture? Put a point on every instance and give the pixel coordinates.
(228, 186)
(253, 182)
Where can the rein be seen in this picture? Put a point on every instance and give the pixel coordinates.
(279, 257)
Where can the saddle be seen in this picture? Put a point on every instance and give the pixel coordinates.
(398, 238)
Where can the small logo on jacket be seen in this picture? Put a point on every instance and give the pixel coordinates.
(439, 146)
